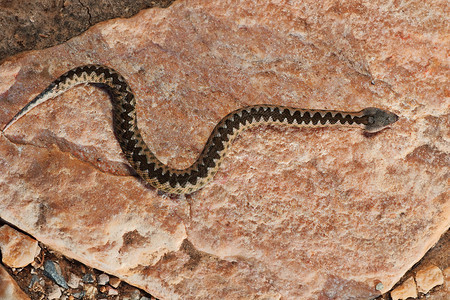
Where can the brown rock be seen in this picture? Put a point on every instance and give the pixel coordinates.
(114, 282)
(292, 213)
(17, 249)
(429, 277)
(406, 290)
(9, 289)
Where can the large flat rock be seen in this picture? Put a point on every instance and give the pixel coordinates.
(312, 213)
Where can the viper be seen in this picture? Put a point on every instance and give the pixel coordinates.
(202, 171)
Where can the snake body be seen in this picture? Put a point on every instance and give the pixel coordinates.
(191, 179)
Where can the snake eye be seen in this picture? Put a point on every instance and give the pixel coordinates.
(370, 120)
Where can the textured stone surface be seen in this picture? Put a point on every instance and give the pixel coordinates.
(407, 289)
(9, 290)
(31, 24)
(428, 278)
(17, 249)
(293, 212)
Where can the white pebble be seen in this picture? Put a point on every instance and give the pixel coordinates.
(103, 279)
(54, 293)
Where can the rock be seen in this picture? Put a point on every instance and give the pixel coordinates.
(134, 295)
(74, 281)
(103, 289)
(406, 290)
(54, 293)
(79, 295)
(103, 279)
(91, 291)
(18, 250)
(114, 282)
(53, 271)
(9, 289)
(292, 213)
(112, 292)
(88, 278)
(429, 277)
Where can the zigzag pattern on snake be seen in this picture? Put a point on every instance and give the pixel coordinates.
(193, 178)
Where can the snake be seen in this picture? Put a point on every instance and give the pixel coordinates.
(202, 171)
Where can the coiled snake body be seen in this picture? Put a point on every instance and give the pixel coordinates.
(191, 179)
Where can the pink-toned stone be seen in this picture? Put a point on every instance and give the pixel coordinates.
(429, 277)
(406, 290)
(18, 250)
(9, 289)
(292, 213)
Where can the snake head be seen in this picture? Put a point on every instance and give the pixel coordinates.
(377, 119)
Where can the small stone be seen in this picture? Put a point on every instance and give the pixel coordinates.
(53, 271)
(103, 289)
(405, 290)
(54, 293)
(79, 295)
(379, 286)
(135, 295)
(114, 282)
(428, 278)
(74, 281)
(91, 291)
(103, 279)
(112, 292)
(88, 278)
(18, 250)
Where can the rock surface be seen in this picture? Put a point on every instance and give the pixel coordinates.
(17, 249)
(9, 290)
(428, 278)
(407, 289)
(324, 213)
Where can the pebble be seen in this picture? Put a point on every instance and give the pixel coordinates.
(91, 291)
(103, 279)
(54, 293)
(88, 278)
(74, 281)
(114, 282)
(112, 292)
(53, 271)
(79, 295)
(136, 295)
(429, 277)
(379, 286)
